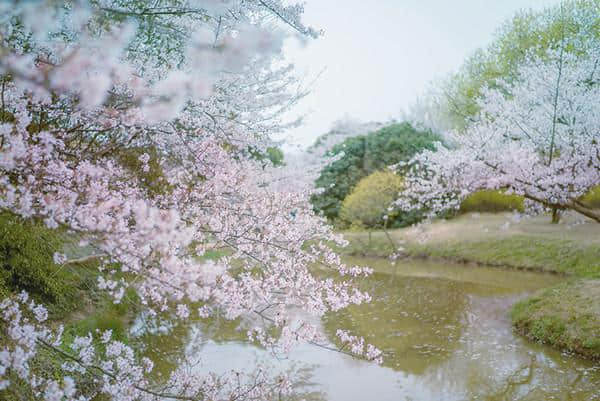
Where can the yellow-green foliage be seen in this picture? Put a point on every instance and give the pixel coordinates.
(154, 179)
(592, 198)
(26, 262)
(369, 200)
(497, 201)
(491, 201)
(27, 248)
(528, 32)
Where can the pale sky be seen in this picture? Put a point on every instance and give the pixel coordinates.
(379, 55)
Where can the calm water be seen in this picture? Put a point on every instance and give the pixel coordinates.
(445, 332)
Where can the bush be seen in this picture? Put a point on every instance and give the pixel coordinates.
(368, 203)
(27, 262)
(491, 201)
(592, 198)
(26, 258)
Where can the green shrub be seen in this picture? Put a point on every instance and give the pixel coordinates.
(497, 201)
(26, 252)
(368, 203)
(592, 198)
(491, 201)
(27, 264)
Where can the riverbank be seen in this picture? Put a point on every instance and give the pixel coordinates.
(566, 316)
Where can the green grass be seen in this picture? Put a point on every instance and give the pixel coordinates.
(520, 251)
(566, 316)
(532, 245)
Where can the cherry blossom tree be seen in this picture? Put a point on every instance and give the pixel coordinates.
(538, 136)
(133, 127)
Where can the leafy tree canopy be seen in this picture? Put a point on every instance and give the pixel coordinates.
(527, 33)
(363, 155)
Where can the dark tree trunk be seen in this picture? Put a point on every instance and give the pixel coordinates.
(575, 205)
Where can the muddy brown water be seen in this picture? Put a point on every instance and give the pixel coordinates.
(445, 331)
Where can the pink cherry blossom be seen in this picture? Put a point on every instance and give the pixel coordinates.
(84, 93)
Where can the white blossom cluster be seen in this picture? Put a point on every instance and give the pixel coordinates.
(538, 136)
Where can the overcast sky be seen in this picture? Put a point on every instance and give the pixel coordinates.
(378, 56)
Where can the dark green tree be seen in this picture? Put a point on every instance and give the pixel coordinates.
(363, 155)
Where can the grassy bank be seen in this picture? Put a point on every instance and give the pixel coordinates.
(493, 240)
(566, 316)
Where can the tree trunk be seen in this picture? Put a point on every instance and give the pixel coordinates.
(579, 207)
(555, 215)
(575, 205)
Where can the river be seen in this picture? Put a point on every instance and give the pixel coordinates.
(445, 332)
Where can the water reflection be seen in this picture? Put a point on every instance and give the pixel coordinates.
(415, 321)
(444, 330)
